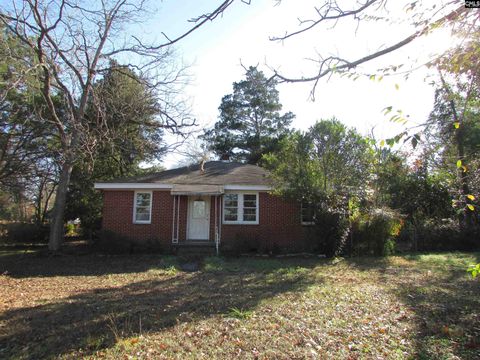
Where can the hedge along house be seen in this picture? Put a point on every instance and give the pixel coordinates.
(223, 204)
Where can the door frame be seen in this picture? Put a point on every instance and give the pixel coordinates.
(191, 199)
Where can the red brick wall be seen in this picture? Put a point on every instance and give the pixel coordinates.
(279, 225)
(118, 216)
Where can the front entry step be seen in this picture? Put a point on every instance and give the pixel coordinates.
(195, 248)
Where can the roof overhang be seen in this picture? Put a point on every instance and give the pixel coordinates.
(131, 186)
(182, 189)
(157, 186)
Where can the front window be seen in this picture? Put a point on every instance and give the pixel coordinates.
(308, 214)
(142, 212)
(240, 208)
(230, 207)
(249, 207)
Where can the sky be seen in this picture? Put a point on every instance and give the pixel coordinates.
(217, 51)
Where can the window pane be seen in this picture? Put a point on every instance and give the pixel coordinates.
(143, 199)
(231, 214)
(231, 200)
(250, 211)
(231, 211)
(143, 214)
(249, 207)
(308, 213)
(142, 206)
(247, 217)
(250, 203)
(198, 209)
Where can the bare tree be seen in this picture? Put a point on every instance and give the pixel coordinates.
(73, 42)
(193, 152)
(424, 17)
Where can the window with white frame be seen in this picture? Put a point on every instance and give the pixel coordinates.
(308, 213)
(240, 208)
(142, 210)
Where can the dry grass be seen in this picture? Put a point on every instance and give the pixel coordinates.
(421, 306)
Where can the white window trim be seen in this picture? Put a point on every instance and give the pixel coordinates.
(240, 209)
(135, 221)
(305, 223)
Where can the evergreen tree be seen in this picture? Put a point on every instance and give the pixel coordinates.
(250, 122)
(124, 113)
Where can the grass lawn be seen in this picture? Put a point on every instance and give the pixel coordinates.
(144, 307)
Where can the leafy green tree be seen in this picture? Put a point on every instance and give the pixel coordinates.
(124, 114)
(27, 147)
(328, 160)
(23, 138)
(327, 167)
(454, 126)
(411, 190)
(250, 123)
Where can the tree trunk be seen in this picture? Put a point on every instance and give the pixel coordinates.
(57, 223)
(47, 202)
(38, 205)
(466, 219)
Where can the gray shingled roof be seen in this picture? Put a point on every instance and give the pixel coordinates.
(216, 173)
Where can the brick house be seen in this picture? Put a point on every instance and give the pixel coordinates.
(220, 204)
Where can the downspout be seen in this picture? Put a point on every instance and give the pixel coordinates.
(174, 239)
(216, 225)
(178, 216)
(220, 209)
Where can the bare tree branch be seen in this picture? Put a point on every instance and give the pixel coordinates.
(73, 43)
(334, 64)
(328, 11)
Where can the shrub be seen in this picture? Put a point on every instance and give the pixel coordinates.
(243, 244)
(375, 232)
(109, 242)
(331, 232)
(389, 247)
(443, 234)
(148, 246)
(26, 233)
(70, 229)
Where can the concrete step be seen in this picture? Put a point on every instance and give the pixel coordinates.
(200, 249)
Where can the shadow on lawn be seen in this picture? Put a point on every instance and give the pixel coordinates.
(34, 263)
(445, 302)
(86, 322)
(447, 314)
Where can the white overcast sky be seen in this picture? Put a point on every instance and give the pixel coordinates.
(242, 35)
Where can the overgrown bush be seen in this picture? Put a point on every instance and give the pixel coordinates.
(109, 242)
(331, 232)
(24, 233)
(243, 245)
(90, 229)
(442, 234)
(70, 229)
(375, 232)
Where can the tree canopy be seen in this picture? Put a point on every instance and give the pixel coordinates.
(72, 44)
(124, 113)
(250, 122)
(328, 160)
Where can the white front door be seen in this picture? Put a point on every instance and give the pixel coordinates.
(198, 218)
